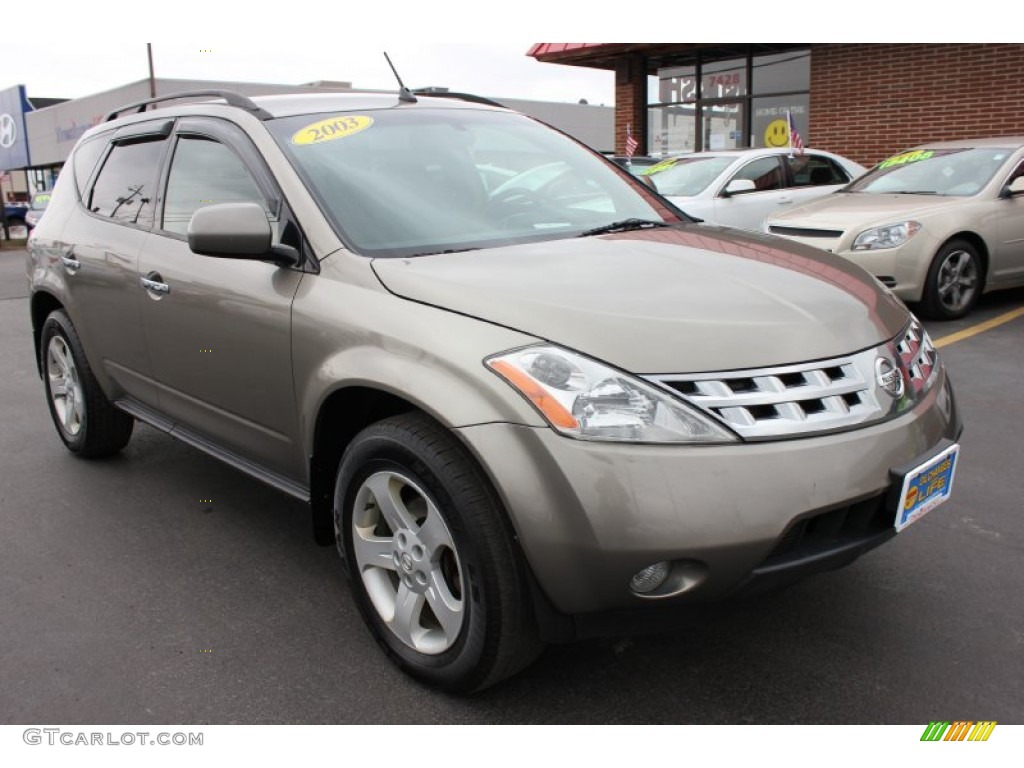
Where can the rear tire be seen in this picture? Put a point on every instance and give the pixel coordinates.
(86, 420)
(430, 556)
(954, 282)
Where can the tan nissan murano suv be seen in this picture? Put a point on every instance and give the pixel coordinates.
(527, 398)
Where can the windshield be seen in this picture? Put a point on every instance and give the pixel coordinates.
(954, 172)
(687, 176)
(405, 182)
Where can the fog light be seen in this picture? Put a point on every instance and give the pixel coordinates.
(650, 578)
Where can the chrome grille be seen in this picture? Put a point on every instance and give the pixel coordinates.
(918, 357)
(808, 398)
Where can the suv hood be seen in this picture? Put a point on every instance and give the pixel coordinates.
(684, 299)
(847, 210)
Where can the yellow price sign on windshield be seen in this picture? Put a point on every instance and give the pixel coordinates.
(331, 129)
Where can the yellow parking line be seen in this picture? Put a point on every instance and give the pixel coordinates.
(988, 325)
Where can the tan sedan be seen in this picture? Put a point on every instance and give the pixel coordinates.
(939, 224)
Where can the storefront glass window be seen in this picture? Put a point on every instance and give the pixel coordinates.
(672, 129)
(676, 84)
(782, 72)
(724, 79)
(723, 126)
(739, 103)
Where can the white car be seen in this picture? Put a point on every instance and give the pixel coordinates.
(939, 224)
(741, 188)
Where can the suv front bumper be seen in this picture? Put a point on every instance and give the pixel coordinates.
(589, 515)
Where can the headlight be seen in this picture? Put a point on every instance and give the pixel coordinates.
(585, 399)
(889, 236)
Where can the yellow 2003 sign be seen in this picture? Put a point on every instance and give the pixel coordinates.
(332, 128)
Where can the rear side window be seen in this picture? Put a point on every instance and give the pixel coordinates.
(125, 190)
(205, 172)
(85, 160)
(815, 171)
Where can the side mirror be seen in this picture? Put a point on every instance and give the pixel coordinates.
(230, 230)
(1014, 188)
(738, 187)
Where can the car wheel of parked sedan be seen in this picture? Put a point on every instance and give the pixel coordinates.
(86, 421)
(430, 556)
(954, 281)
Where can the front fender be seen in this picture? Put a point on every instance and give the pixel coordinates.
(349, 335)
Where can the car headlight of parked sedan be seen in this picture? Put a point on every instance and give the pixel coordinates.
(889, 236)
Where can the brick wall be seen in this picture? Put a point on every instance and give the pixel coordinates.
(631, 103)
(871, 101)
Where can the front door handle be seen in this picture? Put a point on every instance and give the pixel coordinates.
(155, 285)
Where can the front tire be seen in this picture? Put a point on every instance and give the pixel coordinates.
(430, 557)
(87, 422)
(954, 282)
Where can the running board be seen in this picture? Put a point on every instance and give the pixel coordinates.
(158, 421)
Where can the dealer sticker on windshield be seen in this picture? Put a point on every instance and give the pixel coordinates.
(331, 129)
(926, 486)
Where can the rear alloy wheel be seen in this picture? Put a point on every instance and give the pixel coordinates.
(430, 558)
(86, 421)
(954, 281)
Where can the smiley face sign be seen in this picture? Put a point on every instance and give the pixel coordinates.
(776, 134)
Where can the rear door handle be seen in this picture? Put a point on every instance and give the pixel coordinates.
(154, 284)
(71, 264)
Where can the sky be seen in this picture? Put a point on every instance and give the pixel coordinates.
(499, 68)
(465, 45)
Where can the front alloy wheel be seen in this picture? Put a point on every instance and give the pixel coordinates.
(408, 562)
(432, 560)
(954, 281)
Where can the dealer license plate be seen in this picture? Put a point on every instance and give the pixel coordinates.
(926, 486)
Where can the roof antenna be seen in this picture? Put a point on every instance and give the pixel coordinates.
(404, 94)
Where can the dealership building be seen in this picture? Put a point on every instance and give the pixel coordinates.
(37, 135)
(864, 101)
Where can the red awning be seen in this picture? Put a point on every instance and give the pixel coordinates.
(546, 49)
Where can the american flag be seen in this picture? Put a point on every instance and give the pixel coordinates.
(631, 143)
(795, 142)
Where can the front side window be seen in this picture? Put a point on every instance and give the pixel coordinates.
(125, 189)
(204, 172)
(764, 172)
(423, 180)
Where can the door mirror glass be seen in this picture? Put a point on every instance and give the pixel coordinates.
(1015, 187)
(231, 230)
(739, 186)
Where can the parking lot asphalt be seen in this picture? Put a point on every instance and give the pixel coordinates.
(124, 598)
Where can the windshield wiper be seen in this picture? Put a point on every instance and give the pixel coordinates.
(917, 192)
(625, 225)
(446, 250)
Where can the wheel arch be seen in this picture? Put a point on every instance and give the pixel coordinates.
(341, 416)
(42, 304)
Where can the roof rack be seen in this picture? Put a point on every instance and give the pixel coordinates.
(231, 97)
(460, 96)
